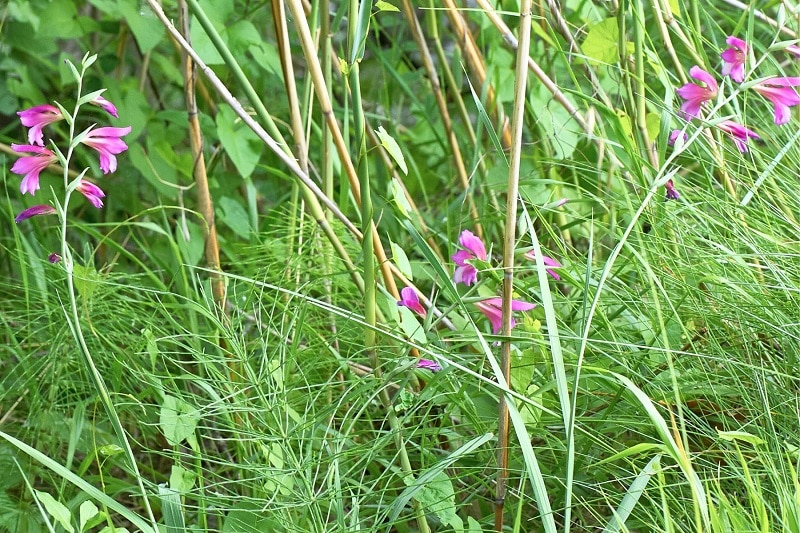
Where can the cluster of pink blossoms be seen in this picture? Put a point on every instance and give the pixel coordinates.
(106, 141)
(472, 248)
(778, 90)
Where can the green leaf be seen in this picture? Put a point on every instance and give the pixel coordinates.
(401, 260)
(181, 480)
(473, 526)
(144, 26)
(23, 12)
(110, 450)
(601, 45)
(391, 146)
(178, 420)
(380, 5)
(438, 497)
(239, 141)
(234, 215)
(56, 509)
(86, 512)
(743, 436)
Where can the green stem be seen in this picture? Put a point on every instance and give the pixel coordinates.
(73, 318)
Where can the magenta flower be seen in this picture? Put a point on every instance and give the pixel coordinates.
(738, 133)
(54, 258)
(779, 91)
(733, 59)
(672, 192)
(109, 108)
(492, 308)
(473, 249)
(674, 135)
(695, 95)
(31, 166)
(548, 261)
(427, 364)
(36, 210)
(108, 144)
(793, 49)
(92, 192)
(38, 117)
(409, 298)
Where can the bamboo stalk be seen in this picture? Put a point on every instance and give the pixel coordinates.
(313, 195)
(321, 91)
(509, 247)
(204, 200)
(469, 48)
(433, 77)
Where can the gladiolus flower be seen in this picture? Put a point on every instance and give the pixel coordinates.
(793, 49)
(695, 95)
(779, 91)
(38, 117)
(54, 258)
(548, 261)
(108, 144)
(672, 192)
(427, 364)
(109, 108)
(492, 308)
(31, 166)
(738, 133)
(674, 135)
(409, 298)
(92, 192)
(733, 59)
(36, 210)
(473, 249)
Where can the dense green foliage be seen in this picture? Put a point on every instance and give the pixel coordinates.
(655, 386)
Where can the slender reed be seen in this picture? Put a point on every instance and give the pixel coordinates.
(509, 247)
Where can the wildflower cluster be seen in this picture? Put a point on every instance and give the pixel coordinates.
(470, 255)
(106, 141)
(777, 89)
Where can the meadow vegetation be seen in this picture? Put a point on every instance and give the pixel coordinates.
(399, 266)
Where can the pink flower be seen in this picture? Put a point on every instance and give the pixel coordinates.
(738, 133)
(473, 249)
(409, 298)
(427, 364)
(92, 192)
(38, 117)
(492, 308)
(793, 49)
(672, 192)
(674, 135)
(31, 166)
(108, 144)
(695, 95)
(36, 210)
(548, 261)
(779, 91)
(733, 59)
(106, 105)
